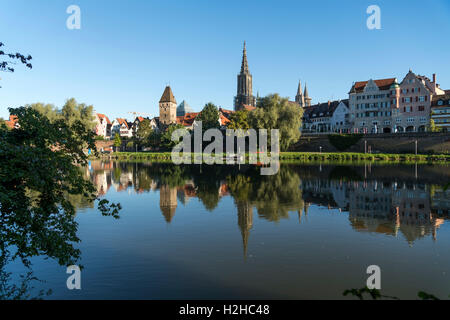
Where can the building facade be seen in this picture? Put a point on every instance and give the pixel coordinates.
(416, 94)
(440, 111)
(328, 117)
(371, 103)
(244, 85)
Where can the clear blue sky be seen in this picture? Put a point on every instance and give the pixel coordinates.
(127, 51)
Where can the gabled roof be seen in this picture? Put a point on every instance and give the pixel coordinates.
(223, 119)
(326, 109)
(188, 119)
(102, 116)
(382, 84)
(121, 120)
(168, 96)
(445, 98)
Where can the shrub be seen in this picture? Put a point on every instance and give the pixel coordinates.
(344, 141)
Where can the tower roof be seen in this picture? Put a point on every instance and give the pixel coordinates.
(299, 90)
(244, 66)
(306, 91)
(168, 96)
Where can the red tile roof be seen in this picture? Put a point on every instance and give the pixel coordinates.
(12, 122)
(249, 108)
(383, 84)
(188, 119)
(102, 116)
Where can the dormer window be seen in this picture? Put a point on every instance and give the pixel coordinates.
(440, 103)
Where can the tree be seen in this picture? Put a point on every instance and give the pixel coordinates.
(432, 126)
(274, 112)
(117, 141)
(144, 132)
(39, 171)
(239, 120)
(5, 65)
(71, 112)
(166, 138)
(209, 117)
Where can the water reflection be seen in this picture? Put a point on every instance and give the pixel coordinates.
(410, 200)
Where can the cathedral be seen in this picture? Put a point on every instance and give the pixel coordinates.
(302, 99)
(244, 95)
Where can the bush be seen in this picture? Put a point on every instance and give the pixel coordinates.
(344, 141)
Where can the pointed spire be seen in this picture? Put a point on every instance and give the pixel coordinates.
(299, 90)
(306, 91)
(244, 67)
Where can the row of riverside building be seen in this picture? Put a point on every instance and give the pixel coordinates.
(372, 107)
(383, 106)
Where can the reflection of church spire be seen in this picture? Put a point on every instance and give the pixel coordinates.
(245, 222)
(307, 204)
(168, 202)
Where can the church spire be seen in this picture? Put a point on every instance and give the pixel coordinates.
(244, 95)
(244, 67)
(299, 99)
(306, 97)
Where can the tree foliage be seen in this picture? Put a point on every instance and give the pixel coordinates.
(40, 170)
(239, 120)
(274, 112)
(166, 137)
(209, 117)
(71, 112)
(143, 133)
(11, 59)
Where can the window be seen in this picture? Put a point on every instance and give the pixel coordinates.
(440, 103)
(421, 108)
(422, 98)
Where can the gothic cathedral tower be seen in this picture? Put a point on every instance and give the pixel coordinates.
(168, 108)
(244, 86)
(299, 98)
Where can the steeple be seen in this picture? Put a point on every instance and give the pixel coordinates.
(306, 97)
(299, 99)
(244, 66)
(244, 86)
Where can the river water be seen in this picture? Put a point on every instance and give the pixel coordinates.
(225, 232)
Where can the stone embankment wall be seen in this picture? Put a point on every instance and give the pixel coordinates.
(381, 143)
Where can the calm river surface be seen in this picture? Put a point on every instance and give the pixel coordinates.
(309, 232)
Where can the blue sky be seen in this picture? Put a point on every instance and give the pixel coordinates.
(127, 51)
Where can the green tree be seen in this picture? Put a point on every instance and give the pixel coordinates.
(209, 117)
(239, 120)
(143, 133)
(117, 141)
(274, 112)
(432, 126)
(71, 112)
(39, 172)
(166, 137)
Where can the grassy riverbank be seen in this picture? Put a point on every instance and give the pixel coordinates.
(299, 157)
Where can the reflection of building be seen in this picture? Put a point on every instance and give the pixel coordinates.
(245, 221)
(383, 207)
(168, 201)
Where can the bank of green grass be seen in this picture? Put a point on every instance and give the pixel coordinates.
(300, 157)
